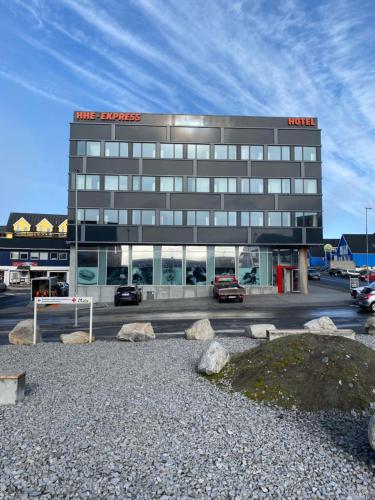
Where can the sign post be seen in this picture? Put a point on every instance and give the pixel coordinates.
(354, 283)
(73, 301)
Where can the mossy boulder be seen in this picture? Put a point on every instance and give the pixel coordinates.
(307, 372)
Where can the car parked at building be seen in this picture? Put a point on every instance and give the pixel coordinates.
(355, 292)
(368, 276)
(366, 300)
(126, 294)
(313, 274)
(350, 273)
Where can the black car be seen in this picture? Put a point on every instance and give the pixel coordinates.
(313, 274)
(126, 294)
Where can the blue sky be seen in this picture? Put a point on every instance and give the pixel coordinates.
(288, 58)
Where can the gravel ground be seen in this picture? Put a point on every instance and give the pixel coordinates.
(119, 420)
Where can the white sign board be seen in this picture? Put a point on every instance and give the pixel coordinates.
(354, 283)
(73, 301)
(63, 300)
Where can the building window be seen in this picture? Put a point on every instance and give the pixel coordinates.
(171, 263)
(54, 256)
(279, 186)
(198, 218)
(196, 265)
(171, 184)
(14, 255)
(248, 265)
(93, 148)
(254, 219)
(171, 151)
(43, 255)
(142, 264)
(225, 185)
(63, 256)
(34, 255)
(198, 151)
(225, 218)
(24, 255)
(88, 215)
(306, 186)
(87, 272)
(254, 186)
(170, 217)
(144, 150)
(115, 182)
(225, 260)
(279, 219)
(118, 265)
(110, 217)
(307, 219)
(305, 153)
(225, 152)
(198, 184)
(81, 148)
(143, 183)
(116, 149)
(251, 152)
(143, 217)
(278, 152)
(88, 182)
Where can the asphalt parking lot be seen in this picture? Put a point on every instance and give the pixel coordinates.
(330, 297)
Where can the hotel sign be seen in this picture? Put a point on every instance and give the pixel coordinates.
(107, 116)
(302, 122)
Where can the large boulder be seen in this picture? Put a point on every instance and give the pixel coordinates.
(78, 337)
(200, 330)
(371, 432)
(136, 332)
(323, 323)
(258, 331)
(370, 326)
(214, 359)
(23, 333)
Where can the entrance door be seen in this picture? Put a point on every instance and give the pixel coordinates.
(287, 279)
(295, 280)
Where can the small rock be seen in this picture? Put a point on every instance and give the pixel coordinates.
(323, 323)
(136, 332)
(200, 330)
(214, 359)
(370, 326)
(23, 333)
(258, 331)
(325, 360)
(78, 337)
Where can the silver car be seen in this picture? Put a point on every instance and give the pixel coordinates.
(355, 292)
(366, 299)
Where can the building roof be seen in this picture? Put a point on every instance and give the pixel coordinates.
(3, 229)
(34, 219)
(357, 242)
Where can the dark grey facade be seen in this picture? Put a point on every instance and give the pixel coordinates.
(190, 180)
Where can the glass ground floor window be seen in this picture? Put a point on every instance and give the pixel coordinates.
(193, 265)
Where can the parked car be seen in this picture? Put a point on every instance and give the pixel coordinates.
(313, 274)
(366, 299)
(3, 287)
(350, 273)
(335, 272)
(128, 293)
(370, 275)
(355, 292)
(226, 287)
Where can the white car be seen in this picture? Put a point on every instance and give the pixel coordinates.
(356, 291)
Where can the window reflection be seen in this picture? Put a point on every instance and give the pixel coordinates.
(196, 265)
(118, 265)
(248, 265)
(171, 259)
(225, 260)
(142, 264)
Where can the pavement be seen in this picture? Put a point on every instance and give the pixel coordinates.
(171, 318)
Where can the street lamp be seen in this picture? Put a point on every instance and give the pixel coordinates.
(76, 249)
(368, 277)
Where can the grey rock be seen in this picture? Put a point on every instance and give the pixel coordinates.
(258, 331)
(323, 323)
(213, 359)
(371, 432)
(23, 333)
(78, 337)
(136, 332)
(370, 326)
(200, 330)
